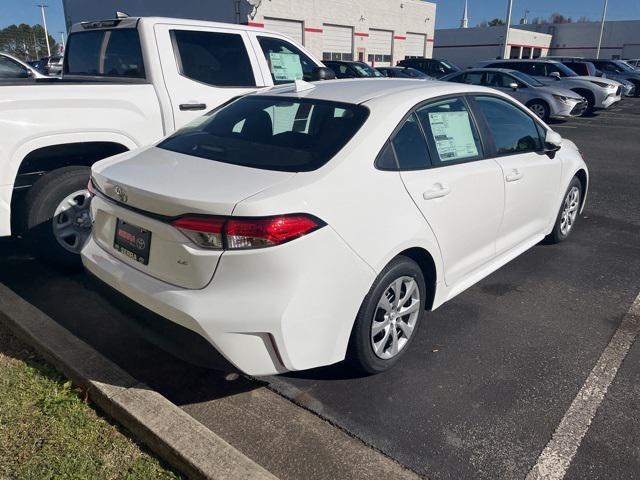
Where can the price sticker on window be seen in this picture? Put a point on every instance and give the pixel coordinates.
(453, 135)
(286, 66)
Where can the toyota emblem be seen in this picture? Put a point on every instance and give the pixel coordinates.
(120, 193)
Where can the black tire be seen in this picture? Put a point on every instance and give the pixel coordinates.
(41, 203)
(361, 354)
(557, 235)
(543, 108)
(588, 96)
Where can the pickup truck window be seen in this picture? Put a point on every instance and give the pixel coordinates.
(271, 133)
(105, 53)
(219, 59)
(286, 62)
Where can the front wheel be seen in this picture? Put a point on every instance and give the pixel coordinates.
(568, 214)
(388, 317)
(540, 108)
(58, 220)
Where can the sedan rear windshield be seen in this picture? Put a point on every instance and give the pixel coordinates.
(105, 53)
(271, 133)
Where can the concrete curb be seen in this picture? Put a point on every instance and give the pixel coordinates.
(167, 430)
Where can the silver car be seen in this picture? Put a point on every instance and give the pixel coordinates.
(543, 100)
(599, 92)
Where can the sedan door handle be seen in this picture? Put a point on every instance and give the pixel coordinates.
(514, 176)
(438, 191)
(192, 106)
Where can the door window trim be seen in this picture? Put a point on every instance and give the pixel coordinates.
(482, 154)
(486, 132)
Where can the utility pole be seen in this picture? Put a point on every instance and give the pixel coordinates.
(44, 24)
(604, 16)
(505, 50)
(62, 37)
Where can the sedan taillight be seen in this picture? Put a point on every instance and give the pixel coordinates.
(246, 233)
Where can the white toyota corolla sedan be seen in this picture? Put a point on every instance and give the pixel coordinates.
(310, 223)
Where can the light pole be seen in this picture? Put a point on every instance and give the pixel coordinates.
(44, 24)
(62, 37)
(506, 35)
(604, 16)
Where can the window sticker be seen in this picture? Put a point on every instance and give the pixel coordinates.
(286, 66)
(453, 135)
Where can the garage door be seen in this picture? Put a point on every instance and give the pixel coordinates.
(414, 45)
(337, 42)
(290, 28)
(380, 44)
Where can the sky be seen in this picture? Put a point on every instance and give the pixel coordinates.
(447, 15)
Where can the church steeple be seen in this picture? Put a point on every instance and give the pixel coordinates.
(464, 23)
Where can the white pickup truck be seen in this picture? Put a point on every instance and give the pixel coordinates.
(126, 83)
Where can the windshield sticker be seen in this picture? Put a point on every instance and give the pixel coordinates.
(286, 66)
(453, 135)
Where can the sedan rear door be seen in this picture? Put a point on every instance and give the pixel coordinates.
(459, 192)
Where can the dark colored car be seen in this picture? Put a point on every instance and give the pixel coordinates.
(347, 69)
(617, 70)
(431, 66)
(402, 72)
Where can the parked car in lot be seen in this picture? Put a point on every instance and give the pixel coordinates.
(620, 71)
(261, 230)
(599, 92)
(433, 67)
(403, 72)
(127, 83)
(12, 68)
(634, 63)
(351, 69)
(586, 67)
(544, 101)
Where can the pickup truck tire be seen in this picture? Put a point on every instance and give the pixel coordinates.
(58, 220)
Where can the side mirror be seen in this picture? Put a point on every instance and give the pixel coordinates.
(552, 143)
(513, 86)
(322, 73)
(555, 75)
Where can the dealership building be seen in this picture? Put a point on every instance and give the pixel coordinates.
(381, 32)
(620, 39)
(466, 46)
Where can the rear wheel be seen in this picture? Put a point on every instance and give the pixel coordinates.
(540, 108)
(568, 214)
(388, 318)
(58, 221)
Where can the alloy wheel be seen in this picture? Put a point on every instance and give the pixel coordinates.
(395, 317)
(539, 110)
(72, 221)
(569, 210)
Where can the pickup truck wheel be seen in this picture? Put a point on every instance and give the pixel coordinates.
(58, 218)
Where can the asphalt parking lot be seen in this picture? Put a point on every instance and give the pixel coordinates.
(491, 374)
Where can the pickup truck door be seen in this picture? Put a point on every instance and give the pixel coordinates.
(204, 67)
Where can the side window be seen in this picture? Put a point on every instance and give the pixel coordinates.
(387, 159)
(497, 80)
(471, 78)
(450, 131)
(286, 62)
(410, 146)
(535, 69)
(551, 68)
(219, 59)
(513, 131)
(11, 69)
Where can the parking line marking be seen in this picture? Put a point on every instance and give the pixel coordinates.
(555, 459)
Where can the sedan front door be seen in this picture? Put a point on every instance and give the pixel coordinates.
(531, 177)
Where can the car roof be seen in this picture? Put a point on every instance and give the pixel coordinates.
(524, 60)
(357, 91)
(132, 22)
(487, 69)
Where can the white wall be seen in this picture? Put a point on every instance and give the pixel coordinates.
(467, 46)
(399, 16)
(619, 38)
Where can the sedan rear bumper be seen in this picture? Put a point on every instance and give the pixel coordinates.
(267, 311)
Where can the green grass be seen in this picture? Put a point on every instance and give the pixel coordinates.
(47, 430)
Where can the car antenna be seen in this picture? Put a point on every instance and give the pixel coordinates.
(120, 15)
